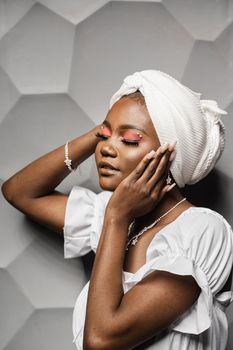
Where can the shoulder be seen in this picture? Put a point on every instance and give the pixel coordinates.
(201, 238)
(205, 216)
(205, 225)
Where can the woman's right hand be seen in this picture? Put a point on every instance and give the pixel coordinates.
(144, 187)
(32, 189)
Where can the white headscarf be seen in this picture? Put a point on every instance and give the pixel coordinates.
(178, 114)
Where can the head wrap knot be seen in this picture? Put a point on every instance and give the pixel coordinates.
(133, 81)
(212, 110)
(178, 114)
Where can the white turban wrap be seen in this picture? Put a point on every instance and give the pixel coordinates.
(179, 114)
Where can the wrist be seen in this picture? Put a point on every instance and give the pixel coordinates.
(96, 129)
(113, 217)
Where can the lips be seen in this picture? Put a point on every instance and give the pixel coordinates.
(105, 165)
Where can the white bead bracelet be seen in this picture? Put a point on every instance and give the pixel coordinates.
(68, 161)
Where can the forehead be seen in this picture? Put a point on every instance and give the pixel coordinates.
(129, 111)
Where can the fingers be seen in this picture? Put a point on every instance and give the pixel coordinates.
(158, 167)
(157, 181)
(160, 187)
(154, 165)
(156, 185)
(159, 170)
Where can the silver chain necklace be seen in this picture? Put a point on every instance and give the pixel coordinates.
(134, 239)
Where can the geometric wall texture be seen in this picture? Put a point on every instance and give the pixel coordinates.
(60, 63)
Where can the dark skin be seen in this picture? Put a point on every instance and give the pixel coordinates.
(115, 320)
(126, 158)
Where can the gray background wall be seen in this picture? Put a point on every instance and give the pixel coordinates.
(60, 62)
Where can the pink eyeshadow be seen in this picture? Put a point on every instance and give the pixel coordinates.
(106, 131)
(130, 135)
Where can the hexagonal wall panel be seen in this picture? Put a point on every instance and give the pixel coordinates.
(224, 45)
(46, 268)
(224, 164)
(15, 308)
(11, 12)
(224, 42)
(74, 11)
(204, 20)
(39, 56)
(207, 70)
(131, 49)
(36, 125)
(9, 94)
(45, 329)
(16, 234)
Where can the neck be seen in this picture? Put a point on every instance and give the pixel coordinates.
(168, 202)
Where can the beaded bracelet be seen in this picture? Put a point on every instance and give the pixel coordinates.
(68, 161)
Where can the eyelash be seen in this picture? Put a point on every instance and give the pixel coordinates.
(127, 142)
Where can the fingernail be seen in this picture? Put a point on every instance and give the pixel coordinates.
(172, 146)
(151, 154)
(164, 147)
(172, 156)
(171, 187)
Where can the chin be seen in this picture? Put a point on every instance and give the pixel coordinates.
(108, 184)
(108, 188)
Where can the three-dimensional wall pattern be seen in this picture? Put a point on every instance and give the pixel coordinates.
(60, 62)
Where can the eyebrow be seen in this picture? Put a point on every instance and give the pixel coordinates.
(125, 126)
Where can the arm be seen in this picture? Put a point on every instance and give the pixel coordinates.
(125, 321)
(115, 320)
(31, 190)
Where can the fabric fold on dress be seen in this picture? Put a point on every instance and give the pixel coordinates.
(83, 221)
(198, 318)
(204, 251)
(199, 243)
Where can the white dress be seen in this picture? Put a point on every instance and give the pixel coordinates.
(198, 243)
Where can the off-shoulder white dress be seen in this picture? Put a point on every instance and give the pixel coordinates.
(198, 243)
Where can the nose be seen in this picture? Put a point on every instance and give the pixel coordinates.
(107, 150)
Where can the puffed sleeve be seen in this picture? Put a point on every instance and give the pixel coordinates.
(84, 217)
(199, 244)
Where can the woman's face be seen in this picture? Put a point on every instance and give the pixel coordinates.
(127, 135)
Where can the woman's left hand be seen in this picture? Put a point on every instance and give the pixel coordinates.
(144, 187)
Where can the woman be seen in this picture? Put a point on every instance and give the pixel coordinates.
(160, 279)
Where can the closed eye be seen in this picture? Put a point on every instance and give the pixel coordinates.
(127, 142)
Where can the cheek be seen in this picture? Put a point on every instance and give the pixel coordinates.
(134, 155)
(95, 154)
(131, 159)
